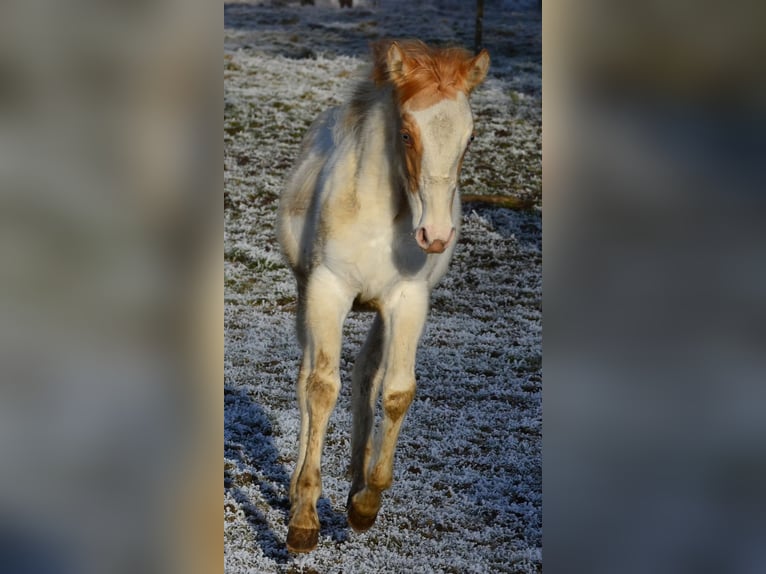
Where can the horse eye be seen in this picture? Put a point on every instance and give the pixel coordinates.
(406, 137)
(473, 137)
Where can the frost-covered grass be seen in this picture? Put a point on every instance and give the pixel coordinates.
(467, 486)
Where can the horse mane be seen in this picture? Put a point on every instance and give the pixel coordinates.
(439, 71)
(433, 73)
(364, 95)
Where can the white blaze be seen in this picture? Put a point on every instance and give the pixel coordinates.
(445, 129)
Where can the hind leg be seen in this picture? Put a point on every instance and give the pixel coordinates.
(326, 304)
(366, 380)
(404, 315)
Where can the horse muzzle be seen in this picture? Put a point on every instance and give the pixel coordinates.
(432, 240)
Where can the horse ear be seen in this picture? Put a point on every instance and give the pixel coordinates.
(397, 63)
(476, 70)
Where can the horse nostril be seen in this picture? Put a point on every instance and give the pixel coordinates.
(432, 244)
(422, 237)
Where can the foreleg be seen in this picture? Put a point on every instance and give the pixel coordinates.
(326, 305)
(404, 315)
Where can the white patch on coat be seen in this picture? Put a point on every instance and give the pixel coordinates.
(445, 129)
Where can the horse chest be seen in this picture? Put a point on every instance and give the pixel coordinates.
(374, 261)
(364, 255)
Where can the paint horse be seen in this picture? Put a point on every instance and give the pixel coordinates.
(368, 220)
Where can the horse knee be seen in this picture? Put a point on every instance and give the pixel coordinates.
(322, 393)
(322, 386)
(396, 403)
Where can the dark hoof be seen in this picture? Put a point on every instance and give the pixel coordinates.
(302, 539)
(360, 522)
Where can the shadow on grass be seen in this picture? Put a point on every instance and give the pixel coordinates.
(248, 441)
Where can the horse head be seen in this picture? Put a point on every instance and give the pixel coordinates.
(431, 88)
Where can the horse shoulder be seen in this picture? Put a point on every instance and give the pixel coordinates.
(339, 183)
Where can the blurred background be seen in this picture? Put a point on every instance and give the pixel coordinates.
(654, 287)
(111, 302)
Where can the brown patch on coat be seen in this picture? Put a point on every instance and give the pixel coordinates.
(321, 389)
(396, 404)
(413, 151)
(423, 75)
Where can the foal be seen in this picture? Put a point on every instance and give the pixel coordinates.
(368, 220)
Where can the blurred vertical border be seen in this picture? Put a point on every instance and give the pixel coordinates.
(654, 287)
(111, 395)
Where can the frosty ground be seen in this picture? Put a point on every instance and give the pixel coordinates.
(467, 492)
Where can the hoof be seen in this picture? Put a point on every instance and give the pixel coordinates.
(302, 539)
(360, 522)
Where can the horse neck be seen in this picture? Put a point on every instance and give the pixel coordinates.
(375, 123)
